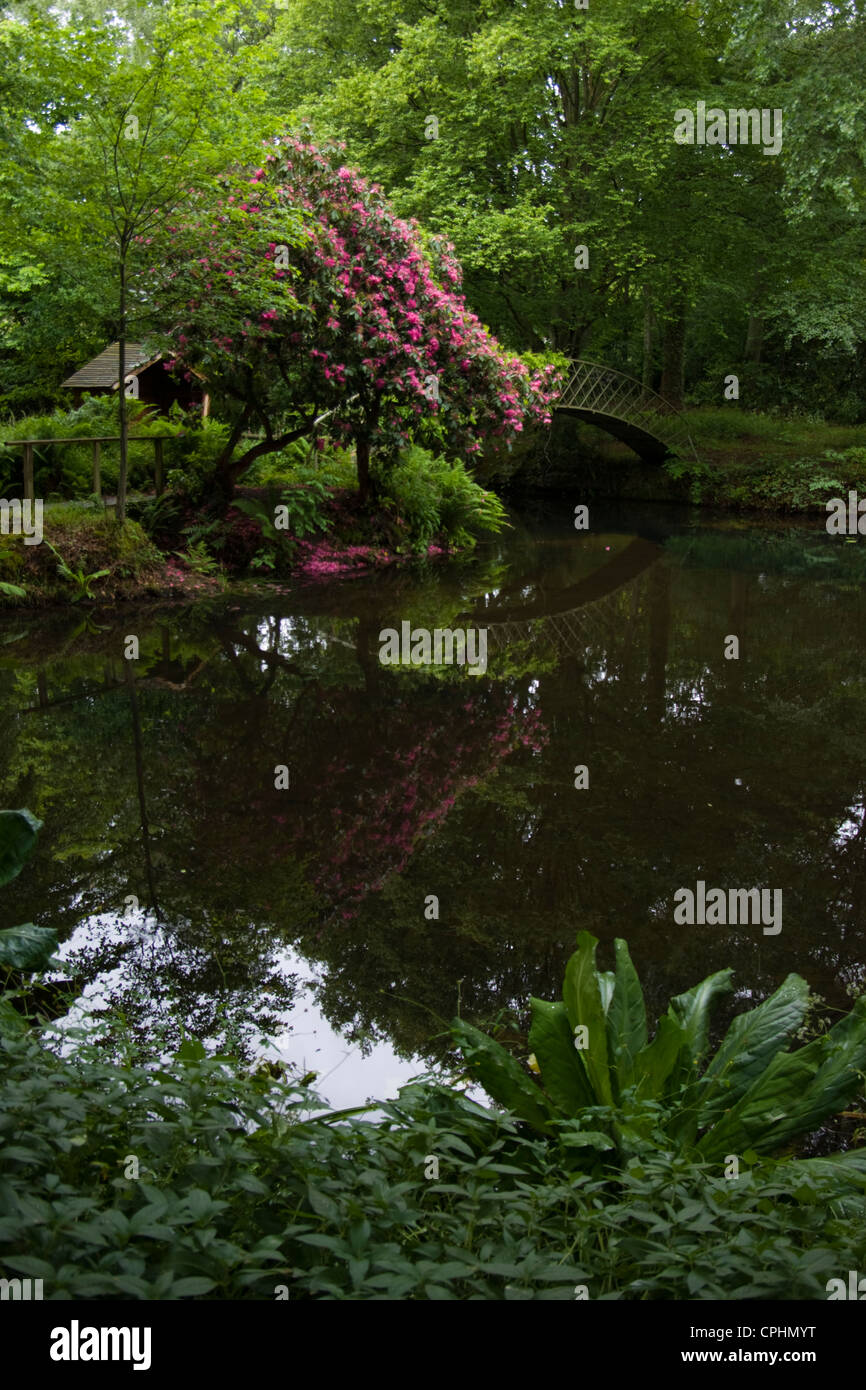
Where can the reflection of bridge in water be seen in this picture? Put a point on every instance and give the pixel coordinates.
(601, 609)
(597, 623)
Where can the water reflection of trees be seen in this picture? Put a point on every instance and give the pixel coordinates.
(406, 785)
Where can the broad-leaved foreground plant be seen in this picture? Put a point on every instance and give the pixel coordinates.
(26, 947)
(619, 1094)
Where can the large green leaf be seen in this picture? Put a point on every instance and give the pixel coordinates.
(18, 832)
(681, 1039)
(843, 1063)
(582, 996)
(751, 1041)
(501, 1076)
(691, 1011)
(27, 947)
(654, 1064)
(626, 1018)
(562, 1072)
(796, 1092)
(844, 1171)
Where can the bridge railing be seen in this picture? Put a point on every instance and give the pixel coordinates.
(606, 391)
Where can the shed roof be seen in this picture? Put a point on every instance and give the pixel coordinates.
(102, 371)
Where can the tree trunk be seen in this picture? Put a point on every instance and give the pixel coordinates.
(648, 339)
(755, 330)
(362, 456)
(230, 465)
(673, 350)
(754, 339)
(120, 510)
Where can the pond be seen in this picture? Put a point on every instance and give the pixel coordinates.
(261, 833)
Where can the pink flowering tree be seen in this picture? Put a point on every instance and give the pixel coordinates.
(312, 310)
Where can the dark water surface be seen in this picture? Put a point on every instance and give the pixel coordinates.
(298, 916)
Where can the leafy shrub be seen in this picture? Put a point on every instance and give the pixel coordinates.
(161, 518)
(695, 471)
(432, 496)
(411, 490)
(854, 457)
(67, 469)
(305, 508)
(804, 483)
(199, 560)
(303, 514)
(196, 457)
(301, 463)
(332, 466)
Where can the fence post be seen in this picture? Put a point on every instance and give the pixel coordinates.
(97, 468)
(157, 448)
(29, 494)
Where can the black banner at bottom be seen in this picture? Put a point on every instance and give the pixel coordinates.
(85, 1341)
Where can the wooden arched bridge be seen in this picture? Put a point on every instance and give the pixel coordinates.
(626, 409)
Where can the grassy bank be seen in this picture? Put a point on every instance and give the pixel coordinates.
(746, 461)
(83, 556)
(86, 558)
(749, 460)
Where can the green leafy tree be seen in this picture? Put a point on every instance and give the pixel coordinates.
(154, 99)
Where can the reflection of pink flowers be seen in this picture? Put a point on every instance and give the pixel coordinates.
(379, 826)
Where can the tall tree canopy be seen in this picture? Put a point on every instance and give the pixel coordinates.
(524, 130)
(518, 130)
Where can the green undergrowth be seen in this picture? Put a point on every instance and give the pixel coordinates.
(782, 485)
(242, 1192)
(66, 470)
(301, 508)
(769, 461)
(627, 1168)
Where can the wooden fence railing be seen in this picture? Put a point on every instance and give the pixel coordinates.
(97, 441)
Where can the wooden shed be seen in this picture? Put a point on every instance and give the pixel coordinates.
(146, 380)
